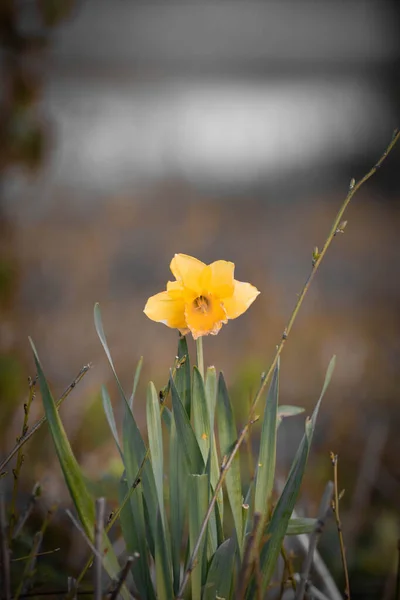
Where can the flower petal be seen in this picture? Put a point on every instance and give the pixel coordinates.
(166, 309)
(205, 323)
(217, 278)
(244, 294)
(188, 270)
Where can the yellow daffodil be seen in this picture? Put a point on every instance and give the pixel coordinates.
(202, 298)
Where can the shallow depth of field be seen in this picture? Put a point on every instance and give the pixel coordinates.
(132, 131)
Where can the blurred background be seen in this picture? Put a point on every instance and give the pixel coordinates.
(132, 130)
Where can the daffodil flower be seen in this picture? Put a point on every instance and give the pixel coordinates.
(202, 298)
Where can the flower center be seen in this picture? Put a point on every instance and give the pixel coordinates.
(201, 303)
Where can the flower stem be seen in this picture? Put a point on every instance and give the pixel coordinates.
(200, 358)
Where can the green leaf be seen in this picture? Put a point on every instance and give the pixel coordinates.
(134, 448)
(211, 393)
(108, 410)
(156, 443)
(133, 529)
(186, 437)
(278, 525)
(227, 439)
(267, 455)
(178, 475)
(201, 418)
(162, 564)
(72, 474)
(198, 503)
(288, 411)
(220, 574)
(182, 375)
(301, 525)
(100, 332)
(136, 381)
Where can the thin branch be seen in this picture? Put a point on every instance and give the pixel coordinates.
(36, 492)
(317, 259)
(20, 457)
(39, 423)
(29, 570)
(4, 552)
(113, 519)
(313, 591)
(322, 514)
(248, 559)
(121, 579)
(98, 539)
(335, 507)
(289, 568)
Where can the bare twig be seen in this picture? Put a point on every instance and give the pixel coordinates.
(288, 568)
(335, 507)
(98, 539)
(366, 481)
(313, 591)
(322, 513)
(39, 423)
(113, 519)
(36, 492)
(20, 457)
(29, 570)
(248, 559)
(4, 553)
(123, 575)
(316, 261)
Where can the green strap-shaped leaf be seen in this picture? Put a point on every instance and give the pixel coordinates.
(186, 437)
(267, 455)
(156, 443)
(134, 533)
(108, 411)
(278, 525)
(198, 503)
(301, 525)
(162, 564)
(289, 411)
(220, 574)
(178, 475)
(134, 448)
(182, 375)
(135, 381)
(227, 439)
(72, 474)
(201, 418)
(211, 393)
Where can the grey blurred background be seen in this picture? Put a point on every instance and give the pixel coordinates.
(134, 130)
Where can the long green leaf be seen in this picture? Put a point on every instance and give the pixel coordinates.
(220, 574)
(267, 454)
(198, 504)
(156, 443)
(186, 437)
(100, 332)
(108, 411)
(72, 474)
(278, 525)
(227, 438)
(134, 448)
(135, 381)
(133, 529)
(301, 525)
(178, 476)
(162, 564)
(182, 375)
